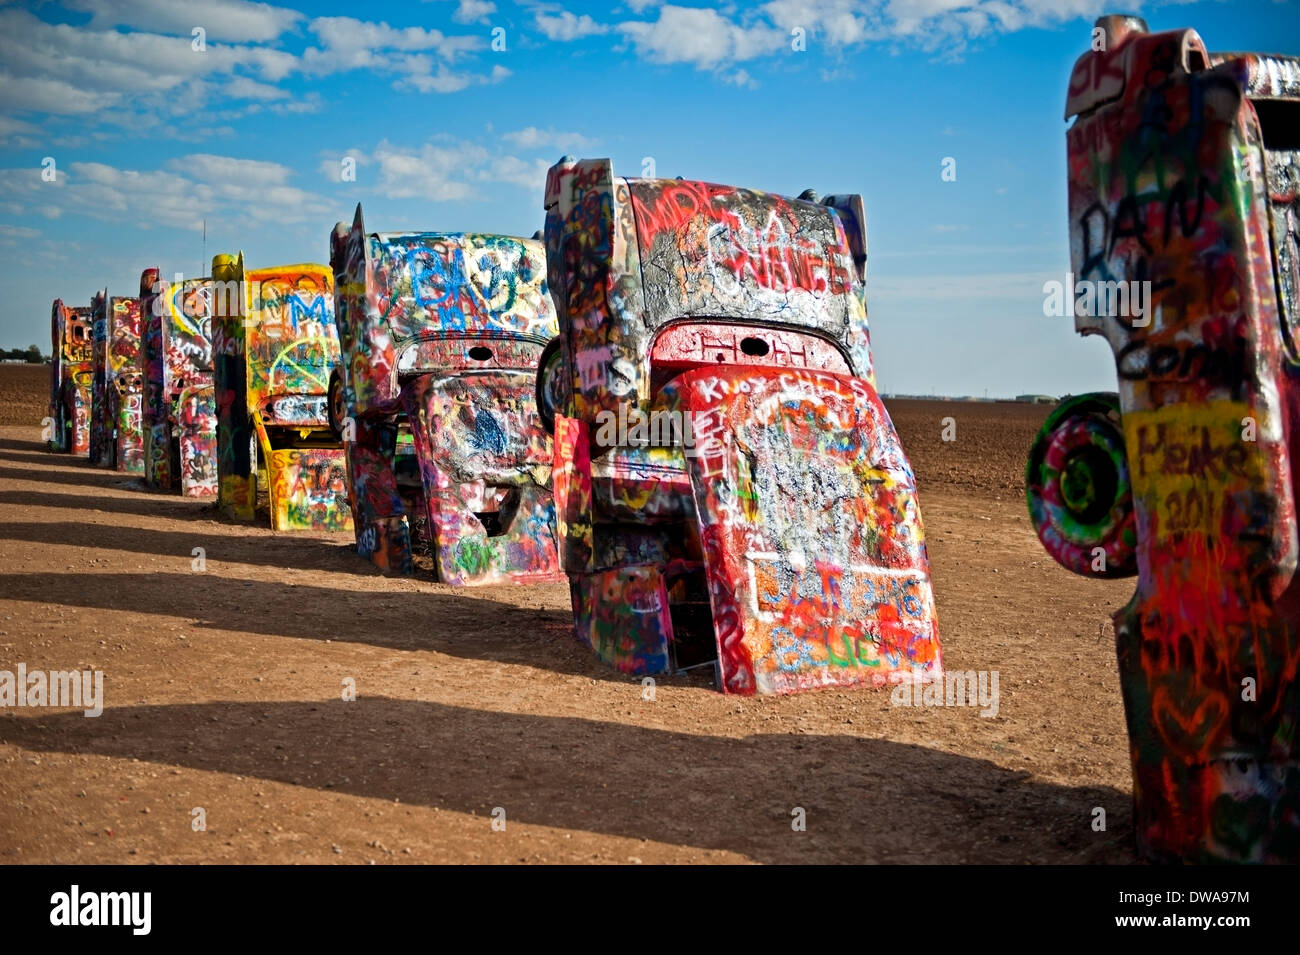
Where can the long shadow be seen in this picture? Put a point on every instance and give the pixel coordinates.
(272, 550)
(33, 446)
(148, 504)
(475, 628)
(866, 800)
(34, 452)
(41, 456)
(84, 476)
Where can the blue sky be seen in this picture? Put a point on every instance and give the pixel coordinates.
(150, 136)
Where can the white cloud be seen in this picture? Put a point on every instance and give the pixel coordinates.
(742, 79)
(15, 232)
(525, 173)
(12, 127)
(442, 171)
(839, 22)
(348, 43)
(702, 38)
(436, 173)
(472, 11)
(416, 58)
(331, 163)
(565, 26)
(153, 81)
(49, 95)
(179, 195)
(238, 20)
(241, 87)
(709, 39)
(548, 139)
(120, 77)
(252, 173)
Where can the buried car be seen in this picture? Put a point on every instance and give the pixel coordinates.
(729, 487)
(116, 440)
(72, 373)
(180, 412)
(434, 396)
(274, 345)
(1183, 173)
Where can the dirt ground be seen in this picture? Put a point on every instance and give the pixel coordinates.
(224, 693)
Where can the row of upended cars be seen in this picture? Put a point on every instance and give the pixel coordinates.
(668, 400)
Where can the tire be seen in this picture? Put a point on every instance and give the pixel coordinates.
(550, 383)
(336, 405)
(1078, 490)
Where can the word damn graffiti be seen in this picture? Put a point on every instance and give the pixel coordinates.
(103, 908)
(82, 689)
(957, 688)
(1098, 299)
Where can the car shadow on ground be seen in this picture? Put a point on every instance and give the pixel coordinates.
(865, 800)
(470, 627)
(287, 550)
(149, 503)
(85, 476)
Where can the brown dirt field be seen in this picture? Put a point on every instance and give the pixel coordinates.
(24, 394)
(223, 691)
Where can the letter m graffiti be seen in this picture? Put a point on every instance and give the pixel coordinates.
(299, 310)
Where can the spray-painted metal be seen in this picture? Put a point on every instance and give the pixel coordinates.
(180, 410)
(275, 344)
(440, 336)
(72, 372)
(1183, 171)
(100, 428)
(765, 512)
(124, 389)
(116, 440)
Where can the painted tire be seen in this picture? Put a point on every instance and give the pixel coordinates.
(336, 406)
(1077, 485)
(550, 383)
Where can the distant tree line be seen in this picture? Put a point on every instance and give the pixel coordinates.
(31, 354)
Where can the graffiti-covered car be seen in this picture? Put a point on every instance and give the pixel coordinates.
(100, 428)
(1183, 172)
(116, 440)
(728, 484)
(441, 334)
(126, 452)
(180, 412)
(72, 372)
(274, 345)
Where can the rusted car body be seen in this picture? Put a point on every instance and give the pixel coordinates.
(1183, 172)
(275, 344)
(771, 523)
(72, 372)
(440, 336)
(180, 413)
